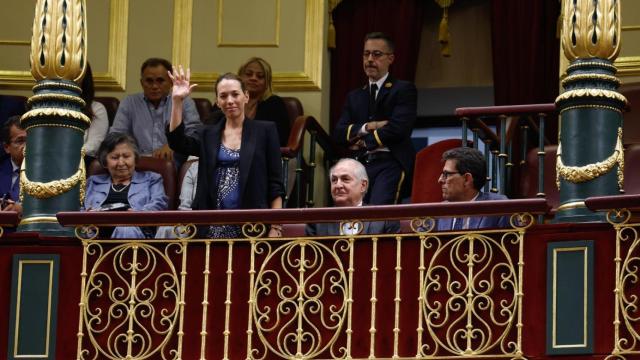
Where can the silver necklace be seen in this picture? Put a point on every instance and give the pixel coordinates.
(121, 190)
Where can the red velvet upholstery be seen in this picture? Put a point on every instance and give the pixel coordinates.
(294, 108)
(204, 107)
(427, 171)
(529, 177)
(165, 168)
(111, 104)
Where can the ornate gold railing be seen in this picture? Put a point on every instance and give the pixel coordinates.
(419, 293)
(622, 215)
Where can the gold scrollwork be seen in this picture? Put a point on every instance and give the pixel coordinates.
(471, 296)
(618, 216)
(53, 188)
(253, 231)
(521, 221)
(132, 301)
(579, 174)
(599, 93)
(306, 280)
(65, 113)
(422, 225)
(627, 296)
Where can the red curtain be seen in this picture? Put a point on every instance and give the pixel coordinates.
(353, 19)
(525, 51)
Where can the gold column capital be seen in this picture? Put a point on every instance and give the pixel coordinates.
(58, 44)
(591, 29)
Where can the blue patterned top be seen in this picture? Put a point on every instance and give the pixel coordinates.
(227, 181)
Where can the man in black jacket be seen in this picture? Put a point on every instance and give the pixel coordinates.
(377, 121)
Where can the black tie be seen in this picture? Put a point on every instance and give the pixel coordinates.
(372, 99)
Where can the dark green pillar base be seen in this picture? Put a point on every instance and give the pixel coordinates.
(45, 226)
(578, 215)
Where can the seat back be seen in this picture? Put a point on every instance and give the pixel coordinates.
(165, 168)
(111, 104)
(427, 171)
(529, 176)
(204, 107)
(294, 108)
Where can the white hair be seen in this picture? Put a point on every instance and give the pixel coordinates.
(359, 171)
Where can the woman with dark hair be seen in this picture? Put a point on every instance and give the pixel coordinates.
(94, 135)
(240, 162)
(124, 188)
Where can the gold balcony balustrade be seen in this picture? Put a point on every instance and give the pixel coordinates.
(622, 213)
(419, 293)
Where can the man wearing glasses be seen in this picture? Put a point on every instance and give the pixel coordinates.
(377, 121)
(145, 115)
(463, 175)
(14, 139)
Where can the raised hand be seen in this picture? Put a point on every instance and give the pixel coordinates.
(181, 86)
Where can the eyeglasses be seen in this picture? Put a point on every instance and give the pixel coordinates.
(376, 54)
(445, 174)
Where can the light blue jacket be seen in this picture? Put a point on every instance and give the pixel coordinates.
(146, 194)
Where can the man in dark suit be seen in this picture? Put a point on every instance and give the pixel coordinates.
(463, 175)
(377, 121)
(349, 184)
(14, 139)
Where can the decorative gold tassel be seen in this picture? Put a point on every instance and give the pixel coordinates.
(331, 32)
(331, 35)
(443, 35)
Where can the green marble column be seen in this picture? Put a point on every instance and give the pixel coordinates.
(52, 177)
(590, 157)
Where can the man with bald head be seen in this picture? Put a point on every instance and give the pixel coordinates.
(349, 184)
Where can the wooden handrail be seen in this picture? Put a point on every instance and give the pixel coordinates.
(601, 203)
(9, 218)
(506, 110)
(304, 124)
(306, 215)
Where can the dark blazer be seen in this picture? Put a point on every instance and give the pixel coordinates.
(479, 222)
(260, 163)
(370, 227)
(397, 103)
(6, 172)
(272, 109)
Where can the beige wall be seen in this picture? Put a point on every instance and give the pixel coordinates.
(210, 36)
